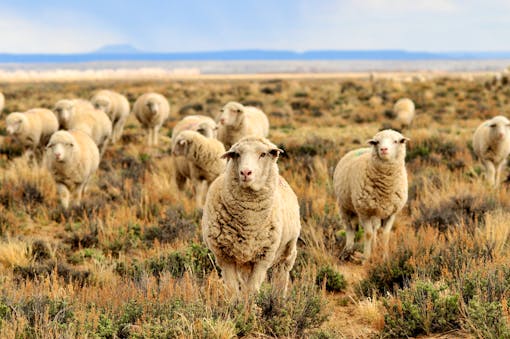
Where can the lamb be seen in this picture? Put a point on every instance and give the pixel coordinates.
(2, 102)
(371, 185)
(198, 123)
(80, 114)
(151, 110)
(32, 130)
(251, 217)
(404, 110)
(491, 143)
(116, 106)
(72, 158)
(204, 160)
(237, 121)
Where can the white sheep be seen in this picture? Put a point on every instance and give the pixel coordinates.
(371, 185)
(151, 110)
(203, 156)
(32, 129)
(404, 110)
(72, 158)
(80, 114)
(198, 123)
(116, 106)
(237, 121)
(251, 217)
(2, 102)
(491, 143)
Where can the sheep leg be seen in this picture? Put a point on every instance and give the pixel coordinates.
(64, 195)
(149, 136)
(282, 269)
(119, 128)
(229, 275)
(490, 172)
(79, 193)
(155, 133)
(257, 276)
(387, 225)
(368, 231)
(499, 170)
(350, 230)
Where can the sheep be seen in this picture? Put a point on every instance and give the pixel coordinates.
(80, 114)
(491, 144)
(204, 160)
(370, 184)
(116, 106)
(404, 111)
(32, 130)
(237, 121)
(72, 157)
(251, 218)
(2, 102)
(198, 123)
(151, 110)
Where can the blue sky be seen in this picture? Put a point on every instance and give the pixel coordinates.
(67, 26)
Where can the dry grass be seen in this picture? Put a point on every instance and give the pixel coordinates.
(129, 261)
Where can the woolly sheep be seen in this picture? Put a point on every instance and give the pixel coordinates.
(72, 158)
(116, 106)
(371, 185)
(237, 121)
(404, 110)
(251, 217)
(198, 123)
(2, 102)
(32, 129)
(491, 143)
(204, 160)
(80, 114)
(151, 110)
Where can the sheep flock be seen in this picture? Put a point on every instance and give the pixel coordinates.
(253, 215)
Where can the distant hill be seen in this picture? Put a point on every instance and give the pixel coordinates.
(125, 52)
(117, 49)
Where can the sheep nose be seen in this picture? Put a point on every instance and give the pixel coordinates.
(57, 155)
(246, 173)
(384, 149)
(222, 121)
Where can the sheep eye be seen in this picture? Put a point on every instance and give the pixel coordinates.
(70, 145)
(373, 142)
(396, 141)
(263, 155)
(493, 125)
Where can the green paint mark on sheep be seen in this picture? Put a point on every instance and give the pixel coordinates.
(361, 151)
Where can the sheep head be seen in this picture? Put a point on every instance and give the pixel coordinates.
(252, 162)
(231, 114)
(389, 146)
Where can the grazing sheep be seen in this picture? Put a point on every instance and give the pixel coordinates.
(204, 160)
(251, 217)
(237, 121)
(198, 123)
(371, 185)
(80, 114)
(116, 106)
(491, 143)
(151, 110)
(72, 158)
(2, 102)
(404, 110)
(32, 129)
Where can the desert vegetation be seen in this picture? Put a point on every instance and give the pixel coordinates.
(129, 260)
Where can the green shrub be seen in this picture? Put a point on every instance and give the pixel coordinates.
(335, 281)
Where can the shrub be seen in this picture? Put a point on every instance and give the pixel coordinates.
(333, 280)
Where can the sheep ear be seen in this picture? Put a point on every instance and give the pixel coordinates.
(372, 142)
(230, 155)
(404, 140)
(275, 152)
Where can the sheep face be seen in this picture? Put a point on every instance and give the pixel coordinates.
(207, 130)
(251, 161)
(64, 110)
(103, 103)
(153, 106)
(181, 146)
(231, 114)
(499, 128)
(389, 145)
(15, 123)
(61, 146)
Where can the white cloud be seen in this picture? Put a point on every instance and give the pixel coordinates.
(407, 5)
(52, 32)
